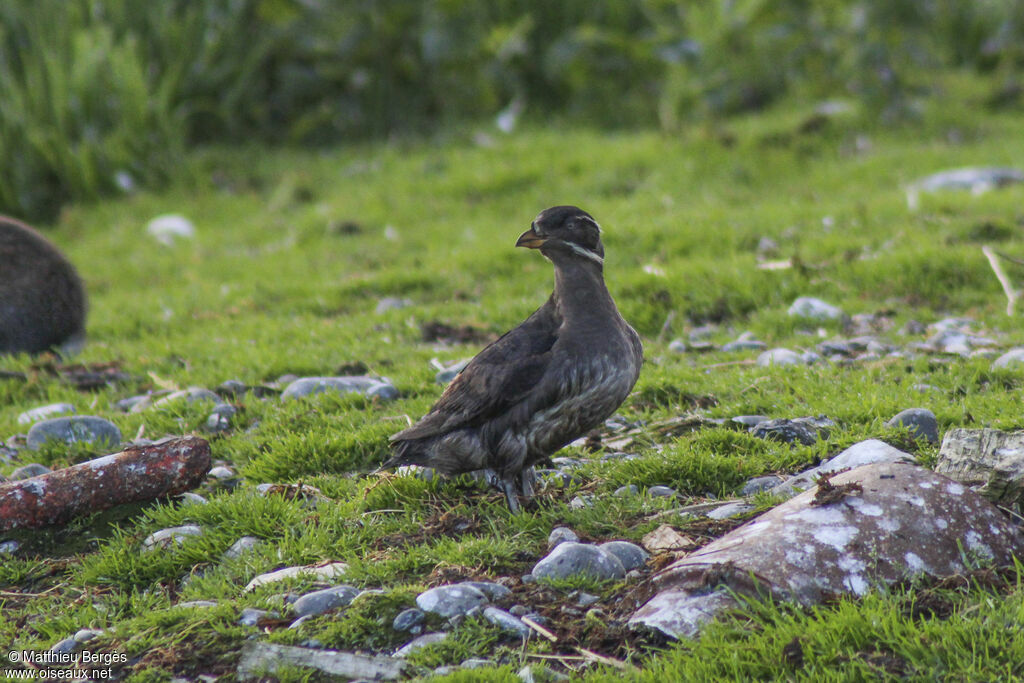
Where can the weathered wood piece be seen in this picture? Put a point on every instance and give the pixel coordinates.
(133, 475)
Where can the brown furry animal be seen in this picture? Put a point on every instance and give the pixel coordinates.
(42, 301)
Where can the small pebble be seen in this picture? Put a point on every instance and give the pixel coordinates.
(628, 490)
(409, 620)
(629, 554)
(451, 600)
(28, 471)
(243, 545)
(420, 642)
(577, 559)
(44, 412)
(506, 621)
(920, 421)
(251, 616)
(661, 491)
(164, 538)
(561, 534)
(324, 600)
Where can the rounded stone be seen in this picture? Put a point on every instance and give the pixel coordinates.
(44, 412)
(66, 646)
(408, 619)
(243, 545)
(324, 600)
(744, 345)
(493, 591)
(1011, 357)
(621, 492)
(170, 536)
(506, 621)
(79, 429)
(814, 309)
(561, 534)
(452, 600)
(28, 471)
(661, 491)
(250, 616)
(576, 559)
(629, 554)
(367, 386)
(779, 356)
(759, 484)
(920, 421)
(190, 395)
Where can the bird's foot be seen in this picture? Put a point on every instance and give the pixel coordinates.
(506, 486)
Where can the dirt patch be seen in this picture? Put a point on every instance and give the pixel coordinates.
(437, 331)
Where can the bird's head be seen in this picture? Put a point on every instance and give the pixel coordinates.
(563, 232)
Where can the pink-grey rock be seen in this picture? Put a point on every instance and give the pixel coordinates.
(873, 525)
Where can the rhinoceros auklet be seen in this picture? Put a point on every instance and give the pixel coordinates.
(547, 382)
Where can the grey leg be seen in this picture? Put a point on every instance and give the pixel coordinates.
(511, 496)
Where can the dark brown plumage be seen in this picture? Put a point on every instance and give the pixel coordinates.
(545, 383)
(42, 302)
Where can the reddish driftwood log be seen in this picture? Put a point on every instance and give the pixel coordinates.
(135, 474)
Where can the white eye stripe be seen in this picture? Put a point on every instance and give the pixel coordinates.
(586, 252)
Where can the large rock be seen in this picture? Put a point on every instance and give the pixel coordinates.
(861, 453)
(988, 460)
(872, 525)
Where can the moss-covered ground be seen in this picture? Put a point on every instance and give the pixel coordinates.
(293, 252)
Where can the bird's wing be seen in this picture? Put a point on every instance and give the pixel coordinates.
(498, 378)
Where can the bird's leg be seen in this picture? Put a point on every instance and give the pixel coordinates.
(528, 481)
(508, 487)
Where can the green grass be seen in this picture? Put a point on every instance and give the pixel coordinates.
(271, 286)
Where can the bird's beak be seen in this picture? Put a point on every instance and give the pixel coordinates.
(531, 240)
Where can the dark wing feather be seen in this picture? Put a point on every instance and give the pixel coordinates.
(498, 378)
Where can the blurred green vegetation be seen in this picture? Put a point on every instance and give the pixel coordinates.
(100, 96)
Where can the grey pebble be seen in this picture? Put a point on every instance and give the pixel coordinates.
(409, 619)
(164, 538)
(243, 545)
(451, 600)
(729, 510)
(506, 621)
(86, 634)
(33, 469)
(391, 303)
(920, 421)
(420, 642)
(749, 420)
(197, 604)
(577, 559)
(744, 345)
(586, 599)
(628, 490)
(661, 491)
(127, 405)
(475, 663)
(629, 554)
(448, 373)
(221, 472)
(677, 346)
(519, 610)
(44, 412)
(493, 591)
(561, 534)
(1011, 357)
(9, 547)
(814, 309)
(250, 616)
(759, 484)
(779, 356)
(324, 600)
(358, 384)
(189, 498)
(579, 503)
(66, 646)
(79, 429)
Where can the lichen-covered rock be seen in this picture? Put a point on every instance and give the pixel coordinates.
(629, 554)
(989, 460)
(578, 559)
(449, 601)
(872, 525)
(860, 453)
